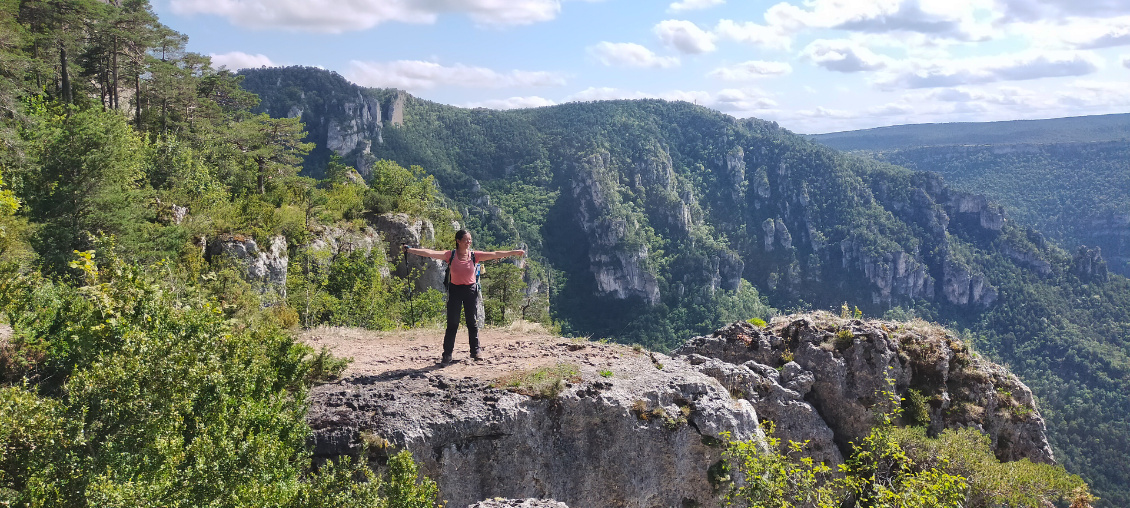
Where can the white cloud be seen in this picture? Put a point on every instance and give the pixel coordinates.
(1126, 61)
(844, 56)
(336, 17)
(1001, 96)
(982, 70)
(822, 112)
(743, 101)
(626, 54)
(236, 60)
(752, 69)
(891, 109)
(1094, 94)
(1083, 33)
(726, 100)
(594, 93)
(692, 5)
(954, 19)
(418, 75)
(1035, 10)
(513, 103)
(753, 33)
(685, 36)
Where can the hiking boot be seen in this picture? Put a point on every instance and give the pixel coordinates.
(445, 359)
(475, 355)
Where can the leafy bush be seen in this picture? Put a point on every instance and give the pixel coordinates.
(894, 467)
(162, 400)
(968, 452)
(915, 408)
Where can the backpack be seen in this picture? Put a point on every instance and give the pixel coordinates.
(447, 271)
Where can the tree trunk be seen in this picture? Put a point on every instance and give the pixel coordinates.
(262, 174)
(115, 101)
(137, 100)
(64, 75)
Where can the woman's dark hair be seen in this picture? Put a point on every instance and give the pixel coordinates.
(459, 236)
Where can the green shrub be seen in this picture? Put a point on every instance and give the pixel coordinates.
(968, 452)
(916, 411)
(168, 402)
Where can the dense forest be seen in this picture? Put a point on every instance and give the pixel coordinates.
(133, 370)
(702, 217)
(141, 368)
(1079, 129)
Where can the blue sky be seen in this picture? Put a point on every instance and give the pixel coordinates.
(813, 66)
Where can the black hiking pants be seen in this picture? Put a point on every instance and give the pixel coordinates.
(465, 298)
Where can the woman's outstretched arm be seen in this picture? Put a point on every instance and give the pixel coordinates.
(487, 256)
(441, 255)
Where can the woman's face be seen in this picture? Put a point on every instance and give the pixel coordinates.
(464, 242)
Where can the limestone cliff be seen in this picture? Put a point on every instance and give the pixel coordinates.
(265, 269)
(618, 259)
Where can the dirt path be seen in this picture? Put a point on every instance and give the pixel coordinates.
(519, 347)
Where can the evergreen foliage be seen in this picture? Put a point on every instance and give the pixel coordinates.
(138, 372)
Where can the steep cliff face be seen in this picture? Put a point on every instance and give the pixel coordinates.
(340, 117)
(942, 213)
(618, 259)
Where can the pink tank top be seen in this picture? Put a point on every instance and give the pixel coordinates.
(463, 272)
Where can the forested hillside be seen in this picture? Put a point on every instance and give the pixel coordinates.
(659, 219)
(140, 364)
(1066, 177)
(1080, 129)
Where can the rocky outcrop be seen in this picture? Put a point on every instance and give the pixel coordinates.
(836, 368)
(617, 259)
(1088, 265)
(333, 241)
(1032, 259)
(399, 229)
(961, 286)
(394, 108)
(646, 436)
(264, 269)
(735, 170)
(894, 276)
(361, 121)
(989, 215)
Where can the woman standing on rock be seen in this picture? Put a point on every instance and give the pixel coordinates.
(463, 292)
